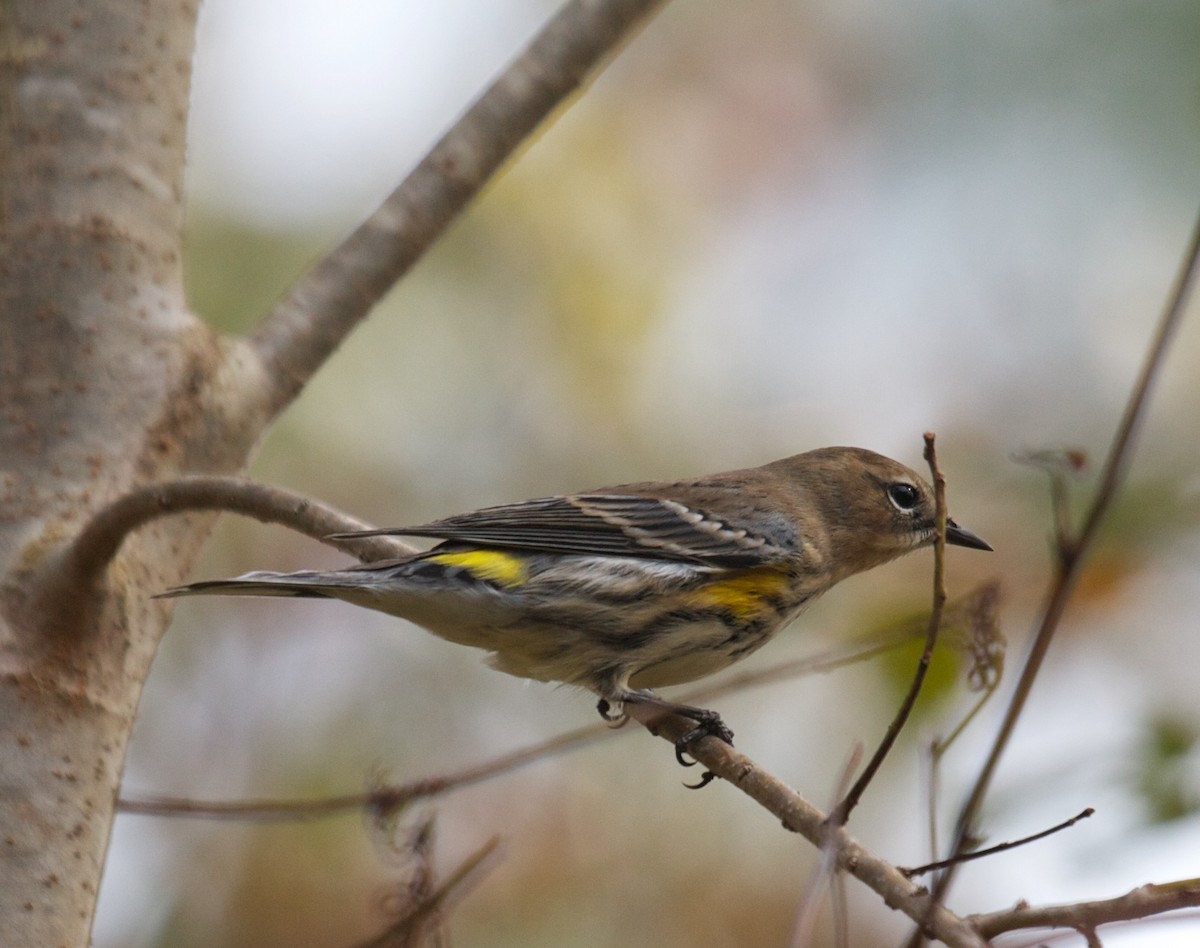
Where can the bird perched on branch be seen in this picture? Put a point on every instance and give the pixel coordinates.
(625, 589)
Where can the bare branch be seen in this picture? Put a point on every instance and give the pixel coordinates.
(331, 298)
(985, 645)
(842, 811)
(87, 558)
(1059, 464)
(1142, 902)
(806, 915)
(801, 817)
(413, 922)
(407, 930)
(1071, 556)
(389, 799)
(384, 801)
(71, 587)
(1121, 450)
(998, 848)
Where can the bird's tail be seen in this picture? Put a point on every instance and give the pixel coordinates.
(308, 584)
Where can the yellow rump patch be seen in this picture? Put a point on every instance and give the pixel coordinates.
(491, 566)
(742, 594)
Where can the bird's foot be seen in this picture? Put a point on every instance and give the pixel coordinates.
(606, 711)
(707, 724)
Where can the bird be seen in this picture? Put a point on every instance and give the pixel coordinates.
(628, 589)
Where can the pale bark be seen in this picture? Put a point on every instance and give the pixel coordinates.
(109, 383)
(106, 380)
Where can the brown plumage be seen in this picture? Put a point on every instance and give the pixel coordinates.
(642, 585)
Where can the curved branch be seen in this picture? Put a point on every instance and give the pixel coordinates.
(85, 560)
(330, 299)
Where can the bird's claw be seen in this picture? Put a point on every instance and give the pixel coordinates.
(705, 779)
(708, 725)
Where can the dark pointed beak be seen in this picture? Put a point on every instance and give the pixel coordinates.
(959, 536)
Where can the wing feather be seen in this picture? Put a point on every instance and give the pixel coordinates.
(606, 525)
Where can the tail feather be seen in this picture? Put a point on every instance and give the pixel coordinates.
(307, 584)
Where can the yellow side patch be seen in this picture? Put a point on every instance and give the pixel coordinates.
(491, 566)
(742, 593)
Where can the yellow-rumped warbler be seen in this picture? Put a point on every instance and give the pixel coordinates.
(629, 588)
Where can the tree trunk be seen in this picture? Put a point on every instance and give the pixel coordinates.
(107, 381)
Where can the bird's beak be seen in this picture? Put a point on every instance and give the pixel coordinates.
(959, 536)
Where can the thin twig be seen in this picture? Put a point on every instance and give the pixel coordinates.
(841, 813)
(841, 912)
(826, 869)
(385, 801)
(940, 746)
(932, 777)
(390, 799)
(998, 848)
(331, 298)
(796, 815)
(829, 660)
(1071, 556)
(414, 922)
(937, 749)
(402, 931)
(1058, 463)
(985, 645)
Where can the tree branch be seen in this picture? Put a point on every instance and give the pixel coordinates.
(825, 873)
(83, 563)
(331, 298)
(1142, 902)
(1071, 555)
(384, 801)
(841, 813)
(998, 848)
(388, 799)
(408, 929)
(801, 817)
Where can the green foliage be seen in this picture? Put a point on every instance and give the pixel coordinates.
(1163, 772)
(898, 666)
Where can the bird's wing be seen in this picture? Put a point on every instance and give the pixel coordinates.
(606, 525)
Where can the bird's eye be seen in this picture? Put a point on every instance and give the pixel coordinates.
(904, 496)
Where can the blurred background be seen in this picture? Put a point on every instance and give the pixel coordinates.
(767, 227)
